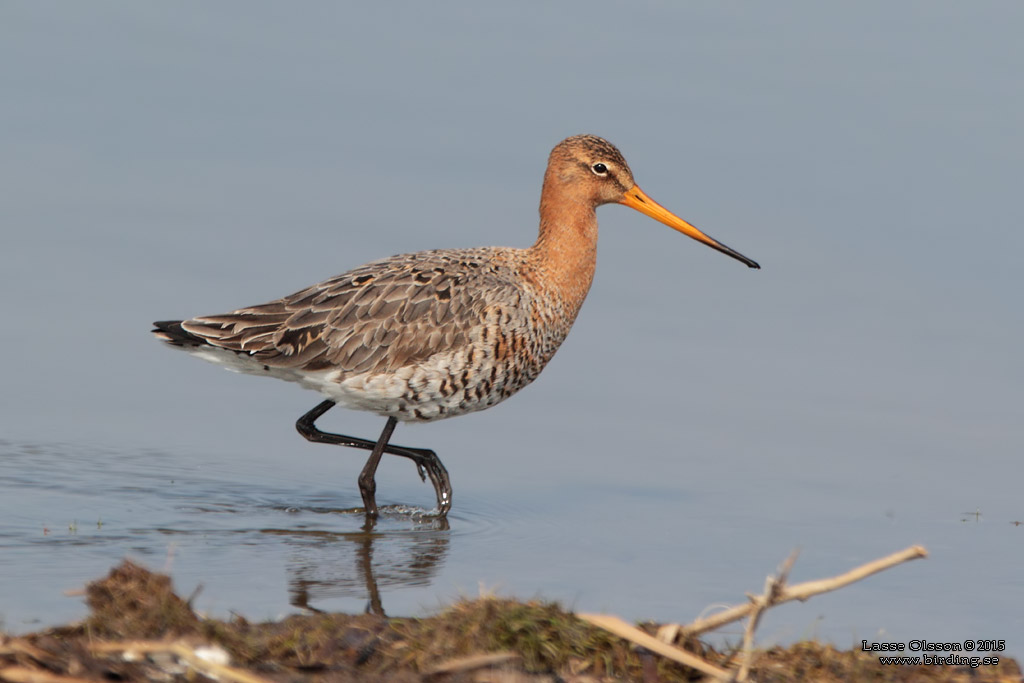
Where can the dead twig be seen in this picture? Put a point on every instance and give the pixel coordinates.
(23, 674)
(805, 590)
(18, 645)
(633, 634)
(775, 593)
(462, 664)
(182, 650)
(774, 586)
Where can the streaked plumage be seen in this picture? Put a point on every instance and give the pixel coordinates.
(434, 334)
(406, 336)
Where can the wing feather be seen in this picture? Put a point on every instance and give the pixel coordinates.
(378, 317)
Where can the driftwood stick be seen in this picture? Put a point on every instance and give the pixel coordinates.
(633, 634)
(463, 664)
(805, 590)
(185, 652)
(24, 647)
(774, 586)
(23, 674)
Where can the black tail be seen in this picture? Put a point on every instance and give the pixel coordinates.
(174, 334)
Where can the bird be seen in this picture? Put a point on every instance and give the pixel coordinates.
(434, 334)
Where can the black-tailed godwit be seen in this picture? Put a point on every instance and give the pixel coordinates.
(425, 336)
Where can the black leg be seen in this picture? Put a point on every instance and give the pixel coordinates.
(426, 460)
(367, 484)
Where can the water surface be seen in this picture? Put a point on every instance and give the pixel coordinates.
(861, 393)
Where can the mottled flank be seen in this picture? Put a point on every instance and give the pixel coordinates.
(417, 336)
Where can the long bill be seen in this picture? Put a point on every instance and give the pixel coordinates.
(638, 199)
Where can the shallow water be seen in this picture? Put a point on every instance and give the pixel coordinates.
(861, 393)
(264, 549)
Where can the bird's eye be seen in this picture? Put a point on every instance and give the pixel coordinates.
(599, 169)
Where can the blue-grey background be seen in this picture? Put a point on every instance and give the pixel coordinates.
(859, 394)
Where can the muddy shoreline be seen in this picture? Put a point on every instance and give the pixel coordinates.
(139, 629)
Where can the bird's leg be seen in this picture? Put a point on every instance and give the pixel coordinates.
(367, 485)
(426, 460)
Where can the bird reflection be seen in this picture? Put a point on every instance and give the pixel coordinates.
(360, 564)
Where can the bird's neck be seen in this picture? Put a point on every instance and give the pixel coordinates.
(565, 253)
